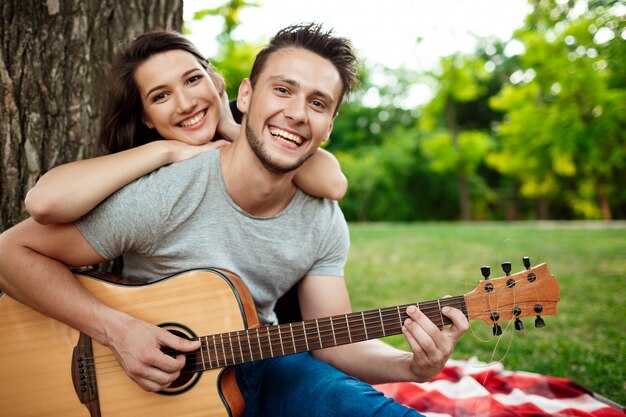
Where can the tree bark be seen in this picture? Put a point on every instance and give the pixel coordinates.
(54, 57)
(605, 206)
(543, 208)
(465, 197)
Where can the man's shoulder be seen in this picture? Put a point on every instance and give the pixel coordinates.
(318, 208)
(316, 203)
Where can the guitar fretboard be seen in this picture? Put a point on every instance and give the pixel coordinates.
(225, 349)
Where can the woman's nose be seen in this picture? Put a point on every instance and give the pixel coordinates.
(185, 102)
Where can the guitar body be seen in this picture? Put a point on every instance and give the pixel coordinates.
(36, 351)
(49, 369)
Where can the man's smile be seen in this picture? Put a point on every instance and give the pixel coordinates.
(286, 136)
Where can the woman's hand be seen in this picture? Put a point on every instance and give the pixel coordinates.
(179, 151)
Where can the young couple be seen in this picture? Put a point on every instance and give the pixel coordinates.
(240, 207)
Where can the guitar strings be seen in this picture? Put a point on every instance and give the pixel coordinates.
(324, 327)
(295, 333)
(228, 358)
(298, 336)
(338, 321)
(340, 330)
(505, 331)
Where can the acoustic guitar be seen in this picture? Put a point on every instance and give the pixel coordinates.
(49, 369)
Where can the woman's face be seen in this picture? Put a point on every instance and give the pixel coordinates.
(179, 98)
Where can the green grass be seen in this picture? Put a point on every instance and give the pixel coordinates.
(391, 264)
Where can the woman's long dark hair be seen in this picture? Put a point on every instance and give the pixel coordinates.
(122, 124)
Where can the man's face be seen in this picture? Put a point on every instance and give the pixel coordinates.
(291, 109)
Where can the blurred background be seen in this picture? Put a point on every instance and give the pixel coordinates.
(481, 110)
(483, 131)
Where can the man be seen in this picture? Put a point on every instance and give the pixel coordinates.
(238, 209)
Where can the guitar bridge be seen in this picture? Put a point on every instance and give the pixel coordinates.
(84, 375)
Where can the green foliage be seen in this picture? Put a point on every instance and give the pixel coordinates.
(470, 151)
(234, 61)
(533, 134)
(451, 146)
(391, 181)
(234, 58)
(563, 136)
(361, 125)
(229, 11)
(460, 79)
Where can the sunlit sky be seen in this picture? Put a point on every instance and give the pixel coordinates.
(383, 32)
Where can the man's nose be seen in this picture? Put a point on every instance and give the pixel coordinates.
(296, 109)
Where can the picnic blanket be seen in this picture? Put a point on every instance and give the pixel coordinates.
(469, 388)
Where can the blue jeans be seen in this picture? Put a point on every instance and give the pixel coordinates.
(300, 385)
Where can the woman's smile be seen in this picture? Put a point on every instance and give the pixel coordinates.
(194, 121)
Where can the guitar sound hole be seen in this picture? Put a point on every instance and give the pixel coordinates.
(188, 375)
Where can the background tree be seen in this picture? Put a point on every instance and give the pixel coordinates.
(378, 146)
(54, 57)
(235, 57)
(563, 137)
(454, 146)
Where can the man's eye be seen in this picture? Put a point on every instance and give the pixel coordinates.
(282, 90)
(318, 104)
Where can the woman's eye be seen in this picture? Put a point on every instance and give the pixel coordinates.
(194, 79)
(159, 97)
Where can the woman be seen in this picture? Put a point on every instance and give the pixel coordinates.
(160, 87)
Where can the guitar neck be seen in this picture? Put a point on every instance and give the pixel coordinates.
(225, 349)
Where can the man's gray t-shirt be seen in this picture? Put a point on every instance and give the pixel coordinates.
(181, 217)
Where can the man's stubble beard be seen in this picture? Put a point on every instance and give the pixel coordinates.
(259, 150)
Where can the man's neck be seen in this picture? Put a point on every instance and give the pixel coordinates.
(252, 187)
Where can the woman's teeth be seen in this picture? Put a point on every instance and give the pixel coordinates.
(194, 120)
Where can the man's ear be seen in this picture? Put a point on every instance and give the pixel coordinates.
(330, 129)
(243, 96)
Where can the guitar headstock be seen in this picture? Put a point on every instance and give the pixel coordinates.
(532, 292)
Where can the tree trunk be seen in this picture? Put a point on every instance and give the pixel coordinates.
(54, 57)
(543, 208)
(465, 197)
(605, 206)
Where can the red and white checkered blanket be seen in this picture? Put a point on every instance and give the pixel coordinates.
(469, 388)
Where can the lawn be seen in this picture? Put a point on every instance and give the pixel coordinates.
(392, 264)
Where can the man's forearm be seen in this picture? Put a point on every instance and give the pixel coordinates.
(372, 361)
(48, 286)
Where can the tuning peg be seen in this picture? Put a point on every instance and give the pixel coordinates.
(539, 322)
(526, 261)
(506, 267)
(486, 271)
(497, 330)
(518, 324)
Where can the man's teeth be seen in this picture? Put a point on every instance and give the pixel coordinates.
(192, 121)
(286, 135)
